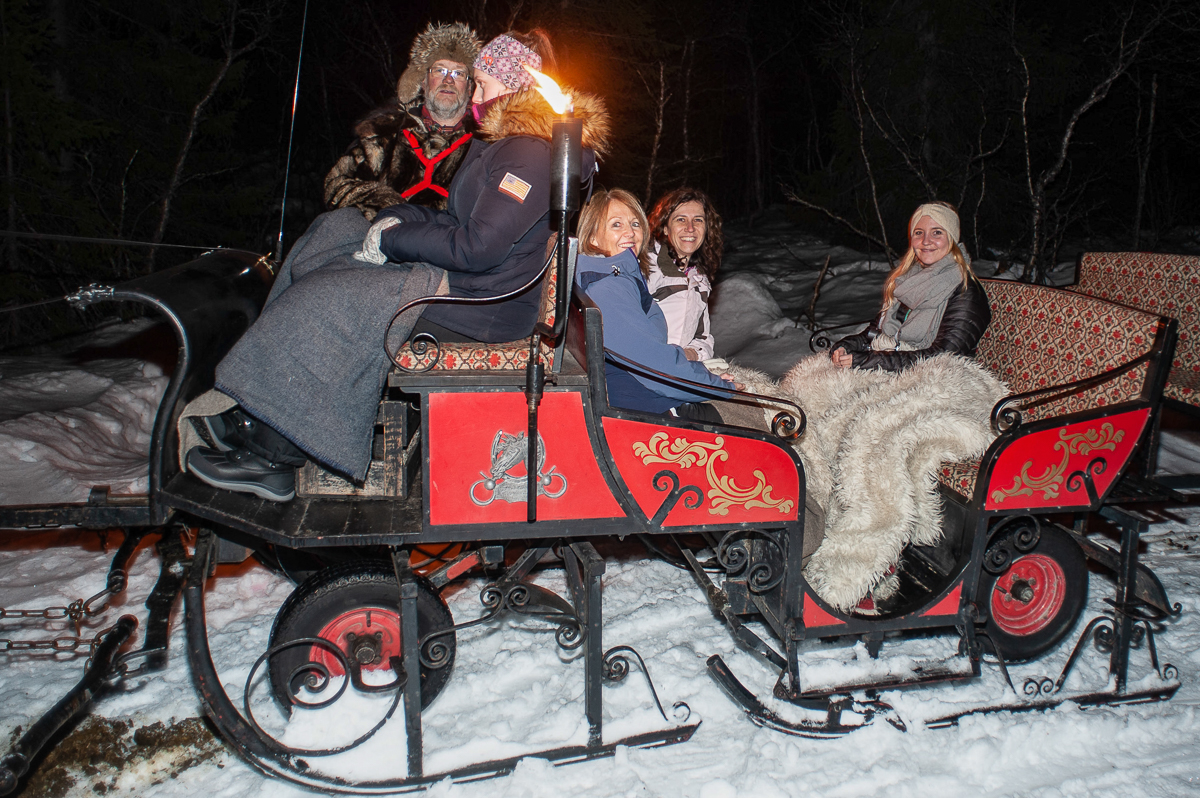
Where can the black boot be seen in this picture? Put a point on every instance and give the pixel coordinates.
(227, 431)
(243, 471)
(263, 462)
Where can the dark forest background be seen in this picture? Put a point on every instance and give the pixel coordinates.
(167, 122)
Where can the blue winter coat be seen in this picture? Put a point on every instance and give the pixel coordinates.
(635, 328)
(492, 236)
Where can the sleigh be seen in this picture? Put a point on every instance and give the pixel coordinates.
(494, 461)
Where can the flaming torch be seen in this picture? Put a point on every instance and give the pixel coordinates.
(565, 157)
(564, 150)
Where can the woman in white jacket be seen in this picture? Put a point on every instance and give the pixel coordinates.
(685, 258)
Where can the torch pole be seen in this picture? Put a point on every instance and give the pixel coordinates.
(565, 163)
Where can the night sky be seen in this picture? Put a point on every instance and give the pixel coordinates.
(1031, 117)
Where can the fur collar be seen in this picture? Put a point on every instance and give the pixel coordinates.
(526, 113)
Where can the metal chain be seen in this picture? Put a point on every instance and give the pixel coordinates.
(75, 612)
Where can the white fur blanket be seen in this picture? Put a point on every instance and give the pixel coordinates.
(874, 442)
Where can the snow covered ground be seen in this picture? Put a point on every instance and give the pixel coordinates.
(511, 688)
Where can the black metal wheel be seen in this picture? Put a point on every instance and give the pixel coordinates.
(1034, 603)
(355, 607)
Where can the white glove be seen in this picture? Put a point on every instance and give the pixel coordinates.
(370, 251)
(716, 365)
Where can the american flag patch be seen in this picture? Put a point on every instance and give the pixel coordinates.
(515, 187)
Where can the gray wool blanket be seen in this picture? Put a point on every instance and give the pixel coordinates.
(313, 366)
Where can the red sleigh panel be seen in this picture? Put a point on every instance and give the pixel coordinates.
(741, 480)
(477, 456)
(1036, 470)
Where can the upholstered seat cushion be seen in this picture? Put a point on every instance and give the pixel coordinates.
(508, 356)
(960, 477)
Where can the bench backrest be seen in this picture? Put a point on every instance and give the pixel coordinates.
(1168, 285)
(1040, 337)
(509, 356)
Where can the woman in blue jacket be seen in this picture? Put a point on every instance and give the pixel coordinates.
(611, 271)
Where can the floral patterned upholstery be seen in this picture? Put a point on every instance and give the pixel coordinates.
(960, 477)
(1165, 284)
(1040, 337)
(510, 356)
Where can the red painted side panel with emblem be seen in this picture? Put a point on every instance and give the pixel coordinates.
(741, 479)
(1035, 471)
(477, 460)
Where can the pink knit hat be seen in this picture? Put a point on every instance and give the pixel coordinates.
(503, 57)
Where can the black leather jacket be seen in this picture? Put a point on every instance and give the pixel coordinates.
(967, 316)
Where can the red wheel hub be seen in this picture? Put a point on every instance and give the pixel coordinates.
(1029, 595)
(368, 635)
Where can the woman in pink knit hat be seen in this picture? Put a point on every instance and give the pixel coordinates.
(499, 69)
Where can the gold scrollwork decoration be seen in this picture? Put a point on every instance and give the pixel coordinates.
(1069, 443)
(723, 491)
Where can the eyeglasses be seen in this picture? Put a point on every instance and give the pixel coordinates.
(457, 75)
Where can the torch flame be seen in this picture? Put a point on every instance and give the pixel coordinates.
(560, 102)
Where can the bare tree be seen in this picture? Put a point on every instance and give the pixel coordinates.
(855, 90)
(660, 103)
(688, 50)
(1131, 37)
(790, 194)
(242, 30)
(10, 176)
(1144, 143)
(909, 152)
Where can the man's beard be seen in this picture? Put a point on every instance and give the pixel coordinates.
(446, 109)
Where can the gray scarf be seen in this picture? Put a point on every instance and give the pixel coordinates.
(924, 292)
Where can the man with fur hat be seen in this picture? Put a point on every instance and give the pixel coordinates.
(408, 150)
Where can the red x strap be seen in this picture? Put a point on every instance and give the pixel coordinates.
(430, 164)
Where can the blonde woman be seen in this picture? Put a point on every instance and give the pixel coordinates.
(932, 301)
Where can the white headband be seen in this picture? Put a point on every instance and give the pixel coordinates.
(941, 215)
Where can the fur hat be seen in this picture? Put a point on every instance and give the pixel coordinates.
(455, 42)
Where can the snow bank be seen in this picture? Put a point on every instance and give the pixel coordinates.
(70, 427)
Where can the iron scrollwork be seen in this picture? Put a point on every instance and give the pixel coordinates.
(615, 667)
(1101, 631)
(521, 598)
(734, 557)
(788, 426)
(420, 345)
(1005, 414)
(1084, 478)
(669, 481)
(317, 679)
(1008, 543)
